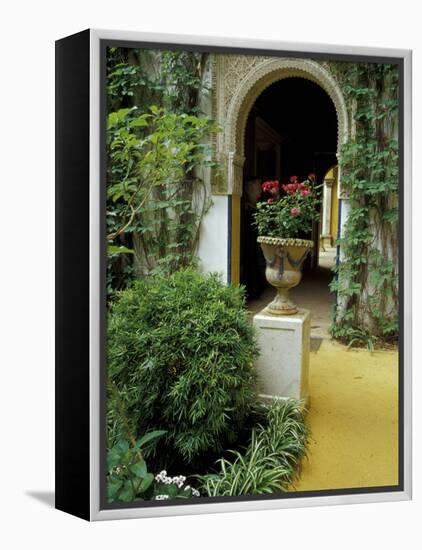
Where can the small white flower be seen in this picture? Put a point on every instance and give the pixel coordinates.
(162, 497)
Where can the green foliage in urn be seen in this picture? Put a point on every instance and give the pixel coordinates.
(181, 353)
(288, 211)
(270, 462)
(367, 274)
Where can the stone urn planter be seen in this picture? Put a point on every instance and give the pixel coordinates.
(284, 259)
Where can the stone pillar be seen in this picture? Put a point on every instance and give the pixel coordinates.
(219, 238)
(283, 364)
(327, 238)
(235, 164)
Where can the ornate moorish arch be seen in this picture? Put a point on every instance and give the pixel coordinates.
(237, 81)
(241, 81)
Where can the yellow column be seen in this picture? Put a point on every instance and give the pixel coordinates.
(235, 240)
(334, 208)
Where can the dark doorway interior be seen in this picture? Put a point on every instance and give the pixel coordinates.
(291, 130)
(302, 118)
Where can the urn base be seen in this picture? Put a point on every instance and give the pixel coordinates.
(282, 305)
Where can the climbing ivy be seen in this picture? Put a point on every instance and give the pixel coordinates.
(157, 150)
(154, 155)
(367, 270)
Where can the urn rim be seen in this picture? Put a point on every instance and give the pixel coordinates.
(281, 241)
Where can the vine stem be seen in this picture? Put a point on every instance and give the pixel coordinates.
(134, 211)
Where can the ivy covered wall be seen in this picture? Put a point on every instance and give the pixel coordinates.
(367, 271)
(159, 159)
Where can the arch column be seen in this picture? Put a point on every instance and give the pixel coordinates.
(326, 236)
(235, 190)
(235, 164)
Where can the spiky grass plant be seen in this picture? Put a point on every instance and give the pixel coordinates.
(270, 463)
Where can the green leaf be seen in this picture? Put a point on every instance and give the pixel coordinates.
(113, 487)
(113, 249)
(139, 469)
(150, 436)
(126, 494)
(139, 122)
(116, 117)
(121, 447)
(148, 479)
(113, 459)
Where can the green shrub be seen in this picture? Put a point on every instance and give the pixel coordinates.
(270, 462)
(181, 353)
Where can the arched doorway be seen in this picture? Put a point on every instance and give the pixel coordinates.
(234, 106)
(237, 83)
(291, 129)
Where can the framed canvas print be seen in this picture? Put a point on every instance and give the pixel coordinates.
(233, 274)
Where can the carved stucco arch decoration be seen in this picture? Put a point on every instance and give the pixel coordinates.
(258, 79)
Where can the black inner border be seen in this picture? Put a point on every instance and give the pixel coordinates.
(104, 44)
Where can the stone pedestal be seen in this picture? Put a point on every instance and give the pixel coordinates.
(283, 364)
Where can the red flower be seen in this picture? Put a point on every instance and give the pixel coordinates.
(271, 187)
(312, 176)
(291, 188)
(293, 179)
(305, 192)
(270, 201)
(295, 212)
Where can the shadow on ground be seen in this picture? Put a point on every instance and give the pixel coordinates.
(45, 497)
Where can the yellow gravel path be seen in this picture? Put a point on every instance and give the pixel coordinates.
(353, 419)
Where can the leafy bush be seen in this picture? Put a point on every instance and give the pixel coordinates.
(270, 462)
(128, 477)
(180, 354)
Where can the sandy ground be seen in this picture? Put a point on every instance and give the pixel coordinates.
(353, 419)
